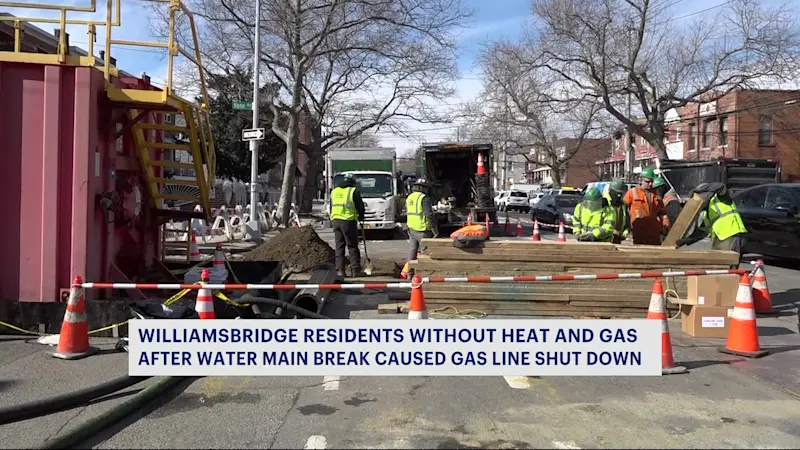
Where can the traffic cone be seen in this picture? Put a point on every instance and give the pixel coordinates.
(658, 311)
(194, 251)
(536, 236)
(761, 298)
(519, 228)
(743, 332)
(219, 257)
(561, 236)
(416, 306)
(404, 274)
(205, 301)
(469, 219)
(481, 168)
(73, 340)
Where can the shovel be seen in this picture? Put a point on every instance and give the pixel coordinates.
(368, 267)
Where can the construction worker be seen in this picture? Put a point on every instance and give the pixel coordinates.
(646, 211)
(421, 222)
(721, 220)
(622, 226)
(347, 208)
(594, 218)
(669, 197)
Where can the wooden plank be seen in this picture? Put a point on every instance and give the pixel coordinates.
(393, 308)
(674, 260)
(688, 217)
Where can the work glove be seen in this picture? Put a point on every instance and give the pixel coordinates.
(586, 237)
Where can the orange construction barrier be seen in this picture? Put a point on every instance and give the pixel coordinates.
(205, 301)
(73, 340)
(658, 311)
(743, 332)
(536, 236)
(519, 228)
(761, 297)
(416, 306)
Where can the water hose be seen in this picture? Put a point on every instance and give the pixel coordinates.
(275, 302)
(66, 401)
(95, 425)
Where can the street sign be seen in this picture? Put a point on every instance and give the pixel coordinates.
(242, 106)
(253, 134)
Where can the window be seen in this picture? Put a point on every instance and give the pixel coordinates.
(666, 136)
(723, 131)
(706, 134)
(679, 135)
(753, 198)
(765, 130)
(692, 137)
(779, 197)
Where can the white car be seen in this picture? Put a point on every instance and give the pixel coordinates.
(534, 198)
(513, 201)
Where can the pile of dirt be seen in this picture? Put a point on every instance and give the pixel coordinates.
(299, 249)
(383, 267)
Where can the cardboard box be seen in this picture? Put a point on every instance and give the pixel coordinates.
(712, 290)
(706, 321)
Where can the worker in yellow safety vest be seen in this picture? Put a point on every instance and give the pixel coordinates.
(420, 222)
(622, 223)
(594, 218)
(721, 220)
(347, 207)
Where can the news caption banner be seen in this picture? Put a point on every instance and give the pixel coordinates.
(403, 348)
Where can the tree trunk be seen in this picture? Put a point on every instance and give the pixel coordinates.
(287, 187)
(313, 171)
(556, 177)
(661, 149)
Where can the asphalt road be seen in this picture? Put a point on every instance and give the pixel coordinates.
(723, 402)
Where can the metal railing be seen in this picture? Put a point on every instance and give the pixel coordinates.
(113, 18)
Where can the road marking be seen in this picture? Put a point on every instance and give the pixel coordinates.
(518, 382)
(316, 442)
(569, 445)
(330, 384)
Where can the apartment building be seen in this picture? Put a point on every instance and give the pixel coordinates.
(760, 124)
(575, 171)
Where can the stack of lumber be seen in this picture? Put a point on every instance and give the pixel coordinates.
(626, 298)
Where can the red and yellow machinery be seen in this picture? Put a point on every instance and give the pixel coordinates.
(83, 148)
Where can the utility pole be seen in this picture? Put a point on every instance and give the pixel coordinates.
(504, 172)
(629, 152)
(253, 228)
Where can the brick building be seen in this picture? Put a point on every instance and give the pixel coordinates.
(578, 170)
(760, 124)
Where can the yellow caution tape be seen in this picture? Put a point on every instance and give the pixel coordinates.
(168, 302)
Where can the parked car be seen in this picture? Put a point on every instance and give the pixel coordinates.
(534, 198)
(513, 201)
(771, 213)
(553, 208)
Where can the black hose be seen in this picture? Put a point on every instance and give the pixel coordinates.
(95, 425)
(66, 401)
(275, 302)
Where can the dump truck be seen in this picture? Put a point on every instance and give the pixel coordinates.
(735, 173)
(456, 190)
(375, 171)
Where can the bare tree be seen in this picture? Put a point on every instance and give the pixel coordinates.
(525, 107)
(345, 65)
(609, 49)
(364, 140)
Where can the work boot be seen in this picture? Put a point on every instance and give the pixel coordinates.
(358, 273)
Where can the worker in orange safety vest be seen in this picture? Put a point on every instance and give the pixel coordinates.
(647, 211)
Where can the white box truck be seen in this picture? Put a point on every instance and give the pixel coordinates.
(375, 171)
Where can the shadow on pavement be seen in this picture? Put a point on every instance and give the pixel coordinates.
(5, 384)
(691, 365)
(786, 299)
(766, 331)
